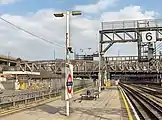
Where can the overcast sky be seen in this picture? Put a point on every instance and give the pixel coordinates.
(37, 17)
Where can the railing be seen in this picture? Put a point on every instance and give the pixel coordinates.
(127, 58)
(131, 24)
(119, 63)
(122, 58)
(9, 101)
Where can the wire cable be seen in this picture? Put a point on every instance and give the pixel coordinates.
(159, 46)
(45, 40)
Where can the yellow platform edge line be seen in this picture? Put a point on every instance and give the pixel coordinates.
(28, 107)
(126, 105)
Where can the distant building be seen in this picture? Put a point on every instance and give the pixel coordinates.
(86, 57)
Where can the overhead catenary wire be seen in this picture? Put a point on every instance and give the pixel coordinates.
(159, 47)
(41, 38)
(158, 50)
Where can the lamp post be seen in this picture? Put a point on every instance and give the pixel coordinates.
(118, 53)
(54, 54)
(8, 56)
(82, 50)
(67, 14)
(68, 47)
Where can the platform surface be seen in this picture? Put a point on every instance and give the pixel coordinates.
(107, 107)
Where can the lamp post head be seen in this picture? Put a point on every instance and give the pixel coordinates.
(76, 13)
(59, 14)
(89, 48)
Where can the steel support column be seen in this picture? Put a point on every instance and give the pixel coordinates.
(139, 47)
(100, 76)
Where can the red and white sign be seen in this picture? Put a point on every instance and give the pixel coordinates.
(69, 87)
(68, 81)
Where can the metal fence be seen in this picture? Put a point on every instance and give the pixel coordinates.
(7, 101)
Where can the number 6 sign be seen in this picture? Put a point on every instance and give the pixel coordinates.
(149, 36)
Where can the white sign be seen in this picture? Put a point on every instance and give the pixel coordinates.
(149, 36)
(68, 81)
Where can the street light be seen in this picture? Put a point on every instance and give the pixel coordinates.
(68, 47)
(67, 14)
(76, 13)
(61, 14)
(83, 49)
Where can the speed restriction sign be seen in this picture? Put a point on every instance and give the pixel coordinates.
(149, 36)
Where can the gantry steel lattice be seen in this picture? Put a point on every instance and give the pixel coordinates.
(87, 68)
(129, 31)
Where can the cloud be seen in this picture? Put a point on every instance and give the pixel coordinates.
(135, 13)
(97, 7)
(42, 23)
(8, 1)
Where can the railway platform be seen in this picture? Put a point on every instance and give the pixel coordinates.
(107, 107)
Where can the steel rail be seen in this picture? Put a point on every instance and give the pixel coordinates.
(152, 109)
(155, 93)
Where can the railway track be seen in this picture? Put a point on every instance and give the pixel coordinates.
(155, 87)
(148, 106)
(152, 92)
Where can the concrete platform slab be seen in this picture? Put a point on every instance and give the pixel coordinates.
(107, 107)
